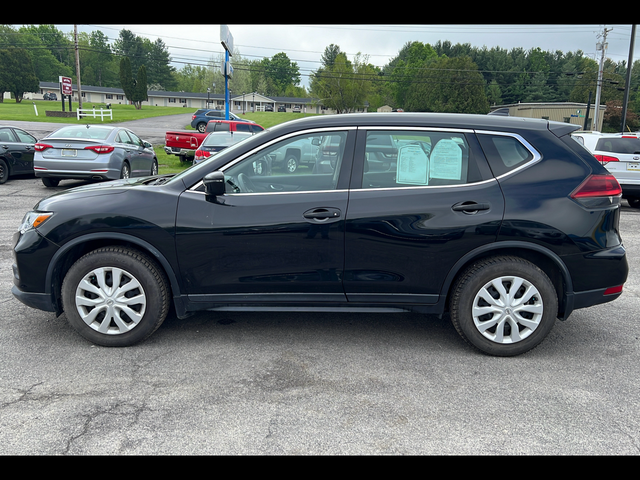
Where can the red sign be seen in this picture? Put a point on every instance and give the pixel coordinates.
(65, 83)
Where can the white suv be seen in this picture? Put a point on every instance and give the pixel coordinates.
(620, 154)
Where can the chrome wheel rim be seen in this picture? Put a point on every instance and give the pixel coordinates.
(110, 300)
(507, 309)
(291, 165)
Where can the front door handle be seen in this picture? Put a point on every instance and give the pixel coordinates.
(470, 207)
(322, 214)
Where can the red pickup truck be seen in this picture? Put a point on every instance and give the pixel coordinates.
(185, 143)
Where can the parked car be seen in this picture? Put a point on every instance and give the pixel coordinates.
(16, 152)
(202, 116)
(233, 126)
(282, 108)
(620, 154)
(293, 154)
(185, 143)
(215, 142)
(268, 108)
(93, 153)
(50, 96)
(504, 223)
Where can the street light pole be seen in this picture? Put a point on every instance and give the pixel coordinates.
(628, 82)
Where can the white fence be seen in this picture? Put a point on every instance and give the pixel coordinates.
(84, 112)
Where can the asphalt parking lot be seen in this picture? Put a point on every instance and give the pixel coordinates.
(314, 384)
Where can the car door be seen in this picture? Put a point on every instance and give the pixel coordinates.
(17, 147)
(273, 237)
(143, 156)
(412, 217)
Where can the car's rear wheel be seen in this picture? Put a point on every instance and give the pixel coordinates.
(115, 296)
(126, 171)
(504, 305)
(50, 182)
(634, 202)
(154, 167)
(4, 171)
(202, 127)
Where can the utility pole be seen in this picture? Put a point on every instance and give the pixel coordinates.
(603, 47)
(75, 35)
(628, 82)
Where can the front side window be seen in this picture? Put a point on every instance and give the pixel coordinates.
(318, 155)
(408, 158)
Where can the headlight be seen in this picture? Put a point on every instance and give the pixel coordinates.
(34, 220)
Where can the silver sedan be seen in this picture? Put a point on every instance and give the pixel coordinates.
(93, 153)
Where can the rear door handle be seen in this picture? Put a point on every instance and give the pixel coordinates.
(322, 214)
(470, 207)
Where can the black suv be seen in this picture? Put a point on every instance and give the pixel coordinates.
(504, 223)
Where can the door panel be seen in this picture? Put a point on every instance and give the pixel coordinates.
(423, 204)
(269, 238)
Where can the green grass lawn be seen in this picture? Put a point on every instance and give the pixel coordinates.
(26, 111)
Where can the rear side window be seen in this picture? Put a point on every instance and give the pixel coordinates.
(417, 158)
(218, 127)
(505, 153)
(619, 145)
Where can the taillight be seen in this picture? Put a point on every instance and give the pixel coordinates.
(100, 148)
(41, 147)
(604, 159)
(597, 186)
(201, 154)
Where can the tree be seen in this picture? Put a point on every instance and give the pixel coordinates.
(280, 73)
(160, 72)
(345, 85)
(449, 85)
(134, 89)
(16, 73)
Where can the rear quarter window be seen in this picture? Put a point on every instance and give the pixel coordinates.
(505, 153)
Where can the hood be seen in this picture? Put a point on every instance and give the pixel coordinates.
(113, 187)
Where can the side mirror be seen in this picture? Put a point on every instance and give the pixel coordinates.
(213, 185)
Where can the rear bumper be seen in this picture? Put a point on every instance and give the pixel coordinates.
(179, 151)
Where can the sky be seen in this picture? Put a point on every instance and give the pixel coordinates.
(304, 44)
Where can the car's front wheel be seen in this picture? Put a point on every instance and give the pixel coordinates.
(503, 305)
(115, 296)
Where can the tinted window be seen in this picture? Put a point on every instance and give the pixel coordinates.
(619, 145)
(218, 127)
(504, 153)
(24, 137)
(6, 135)
(417, 158)
(254, 173)
(243, 127)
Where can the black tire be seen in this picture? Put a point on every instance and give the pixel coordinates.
(154, 168)
(201, 127)
(290, 163)
(634, 202)
(50, 182)
(4, 171)
(126, 171)
(115, 318)
(529, 313)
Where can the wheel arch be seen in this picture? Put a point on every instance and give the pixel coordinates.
(548, 261)
(70, 252)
